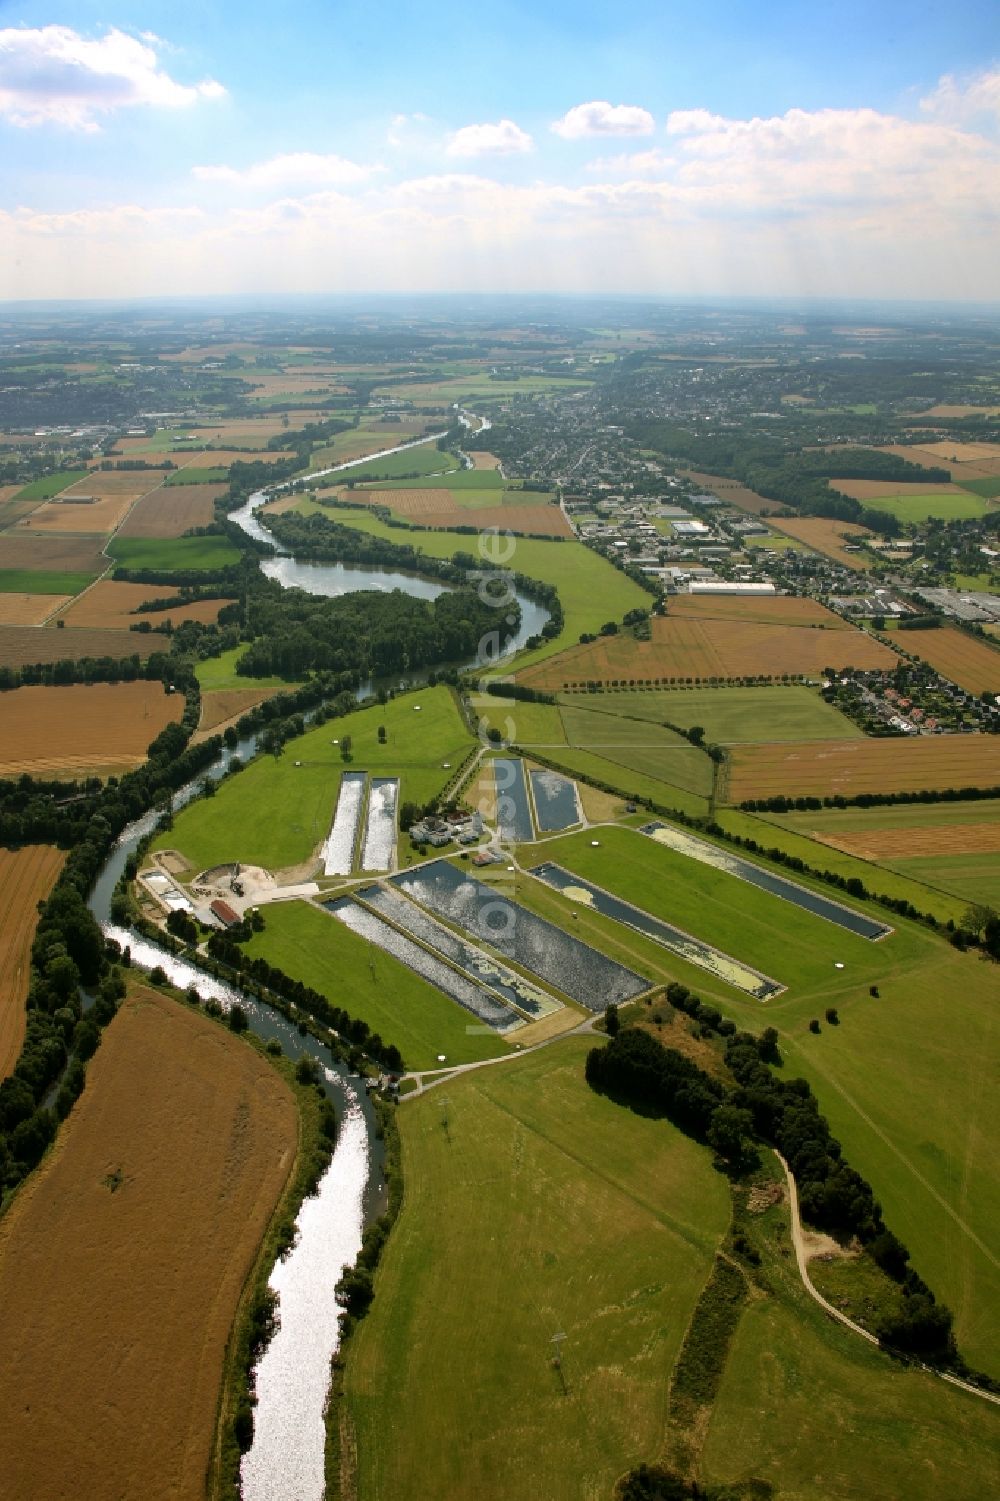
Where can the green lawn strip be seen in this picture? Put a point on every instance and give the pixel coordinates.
(42, 581)
(728, 715)
(166, 554)
(312, 946)
(591, 590)
(275, 813)
(771, 832)
(814, 1410)
(220, 672)
(540, 1208)
(194, 476)
(49, 485)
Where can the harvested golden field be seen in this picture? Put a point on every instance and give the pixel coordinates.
(947, 455)
(709, 648)
(95, 517)
(517, 511)
(826, 536)
(26, 877)
(731, 491)
(29, 609)
(108, 605)
(86, 729)
(220, 705)
(915, 843)
(56, 554)
(173, 510)
(482, 460)
(821, 768)
(123, 1260)
(876, 489)
(964, 453)
(944, 409)
(971, 664)
(774, 609)
(25, 644)
(118, 481)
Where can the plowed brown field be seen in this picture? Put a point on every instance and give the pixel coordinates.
(59, 554)
(732, 492)
(26, 876)
(108, 605)
(123, 1260)
(482, 460)
(22, 645)
(971, 664)
(29, 609)
(86, 729)
(171, 511)
(705, 648)
(826, 536)
(821, 768)
(876, 489)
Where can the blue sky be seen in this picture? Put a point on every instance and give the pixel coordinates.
(753, 146)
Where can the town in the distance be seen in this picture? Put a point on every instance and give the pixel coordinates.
(499, 899)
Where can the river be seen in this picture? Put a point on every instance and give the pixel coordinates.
(286, 1459)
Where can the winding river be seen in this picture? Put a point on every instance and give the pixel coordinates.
(286, 1459)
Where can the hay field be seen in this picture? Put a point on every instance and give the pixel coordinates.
(443, 508)
(971, 664)
(26, 877)
(172, 510)
(123, 1260)
(731, 491)
(114, 606)
(708, 648)
(849, 767)
(945, 409)
(483, 460)
(51, 554)
(30, 609)
(949, 455)
(879, 489)
(775, 609)
(84, 729)
(95, 517)
(218, 708)
(827, 537)
(917, 843)
(21, 645)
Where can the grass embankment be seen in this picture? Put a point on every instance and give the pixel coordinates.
(533, 1207)
(591, 590)
(312, 946)
(276, 811)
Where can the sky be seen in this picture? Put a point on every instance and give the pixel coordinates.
(662, 147)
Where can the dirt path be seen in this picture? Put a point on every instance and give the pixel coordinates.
(802, 1260)
(428, 1078)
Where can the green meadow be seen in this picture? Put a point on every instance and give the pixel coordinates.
(42, 581)
(728, 715)
(176, 553)
(49, 485)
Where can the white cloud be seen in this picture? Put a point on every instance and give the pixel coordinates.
(502, 139)
(303, 167)
(599, 118)
(966, 99)
(403, 127)
(652, 163)
(55, 75)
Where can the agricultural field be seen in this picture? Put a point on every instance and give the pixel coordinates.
(466, 387)
(946, 503)
(425, 459)
(29, 608)
(86, 729)
(963, 461)
(872, 490)
(614, 1218)
(728, 715)
(732, 492)
(137, 1234)
(44, 489)
(173, 553)
(217, 673)
(775, 609)
(115, 606)
(973, 665)
(42, 582)
(24, 554)
(276, 813)
(511, 510)
(193, 475)
(21, 646)
(169, 513)
(27, 875)
(822, 768)
(591, 590)
(827, 537)
(312, 946)
(638, 745)
(95, 517)
(221, 708)
(684, 649)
